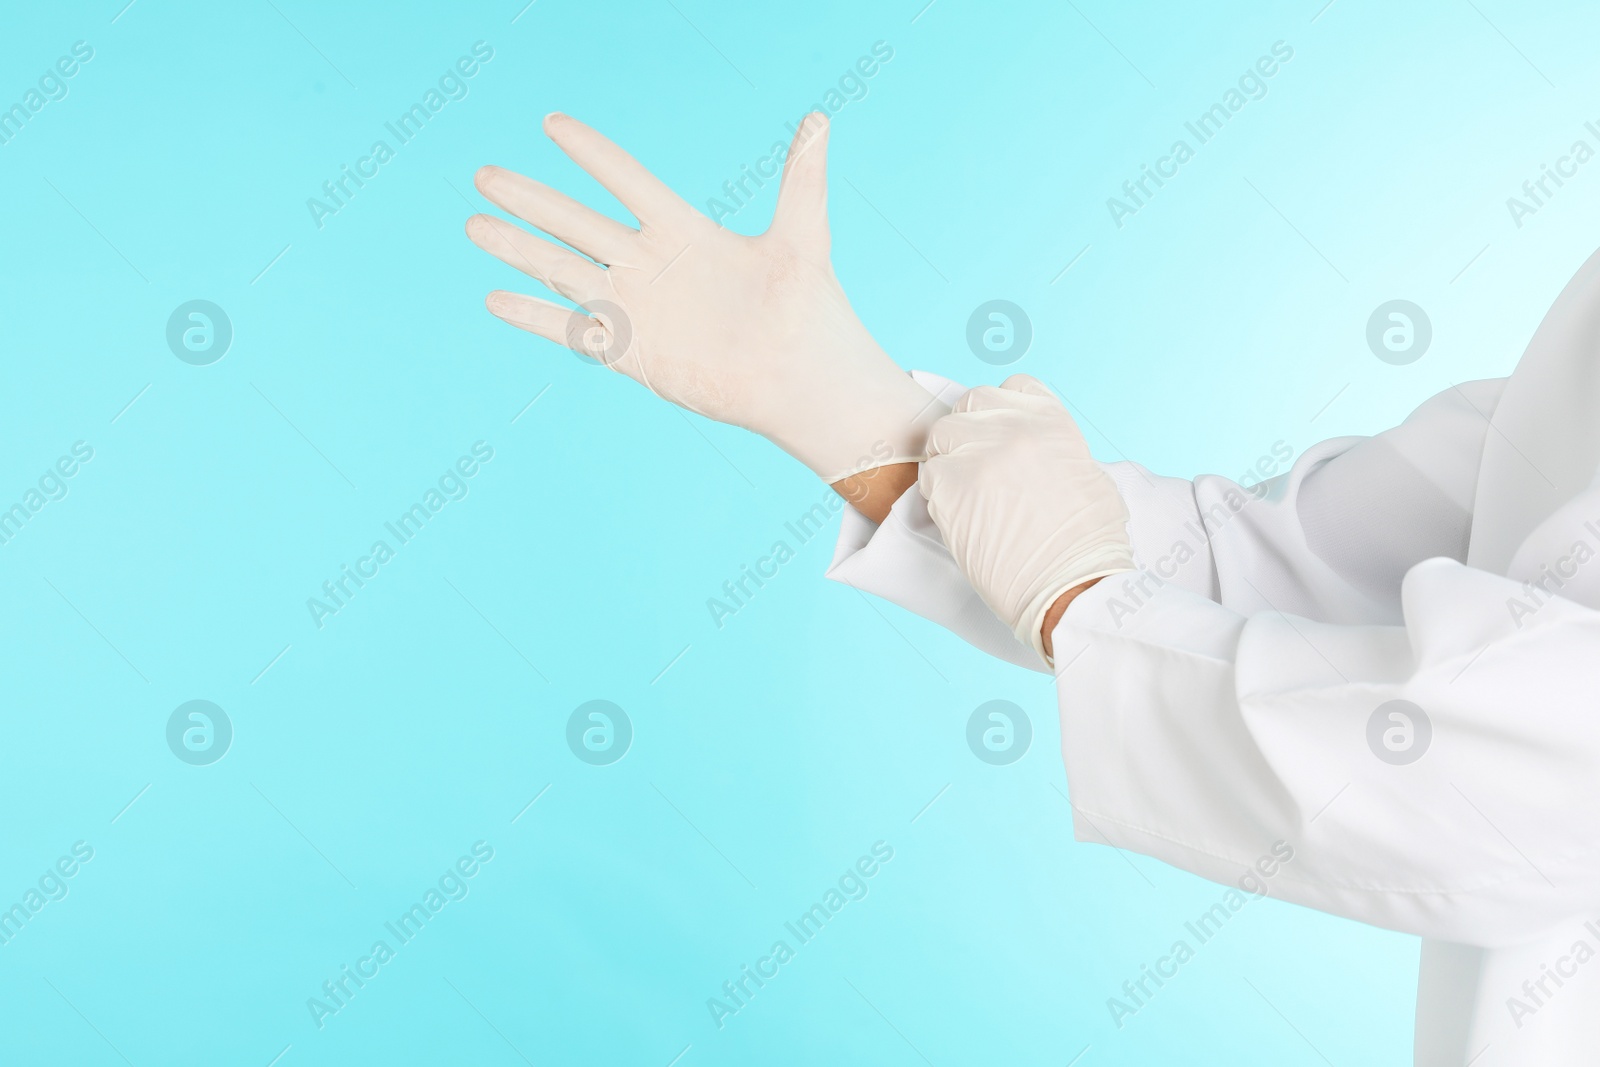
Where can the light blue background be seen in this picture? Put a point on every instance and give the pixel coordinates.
(1229, 314)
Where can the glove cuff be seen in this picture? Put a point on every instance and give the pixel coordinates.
(1110, 559)
(870, 428)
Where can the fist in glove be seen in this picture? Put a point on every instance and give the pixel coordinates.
(1022, 505)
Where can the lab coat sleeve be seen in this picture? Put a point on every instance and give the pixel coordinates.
(1424, 751)
(1206, 718)
(1329, 539)
(1434, 777)
(1333, 537)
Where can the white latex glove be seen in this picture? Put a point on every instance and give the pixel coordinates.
(753, 331)
(1023, 506)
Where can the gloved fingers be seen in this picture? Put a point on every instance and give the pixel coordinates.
(600, 238)
(962, 428)
(1031, 386)
(946, 433)
(1010, 394)
(541, 317)
(623, 176)
(1027, 383)
(802, 212)
(928, 472)
(940, 480)
(1021, 394)
(985, 398)
(565, 272)
(1009, 430)
(1013, 396)
(569, 327)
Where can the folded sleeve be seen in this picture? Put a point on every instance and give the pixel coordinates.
(1435, 777)
(904, 561)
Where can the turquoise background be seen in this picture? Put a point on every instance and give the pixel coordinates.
(368, 755)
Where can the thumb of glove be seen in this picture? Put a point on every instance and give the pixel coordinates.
(802, 212)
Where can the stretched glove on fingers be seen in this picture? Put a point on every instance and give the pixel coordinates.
(753, 331)
(1022, 505)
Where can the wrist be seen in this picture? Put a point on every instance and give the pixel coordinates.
(873, 492)
(881, 420)
(1052, 616)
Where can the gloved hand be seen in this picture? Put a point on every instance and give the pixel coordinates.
(753, 331)
(1023, 506)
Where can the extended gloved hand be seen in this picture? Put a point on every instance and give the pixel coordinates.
(1023, 506)
(753, 331)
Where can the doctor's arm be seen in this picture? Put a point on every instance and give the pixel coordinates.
(1428, 772)
(1433, 776)
(1330, 538)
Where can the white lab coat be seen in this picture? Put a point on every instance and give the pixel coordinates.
(1218, 699)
